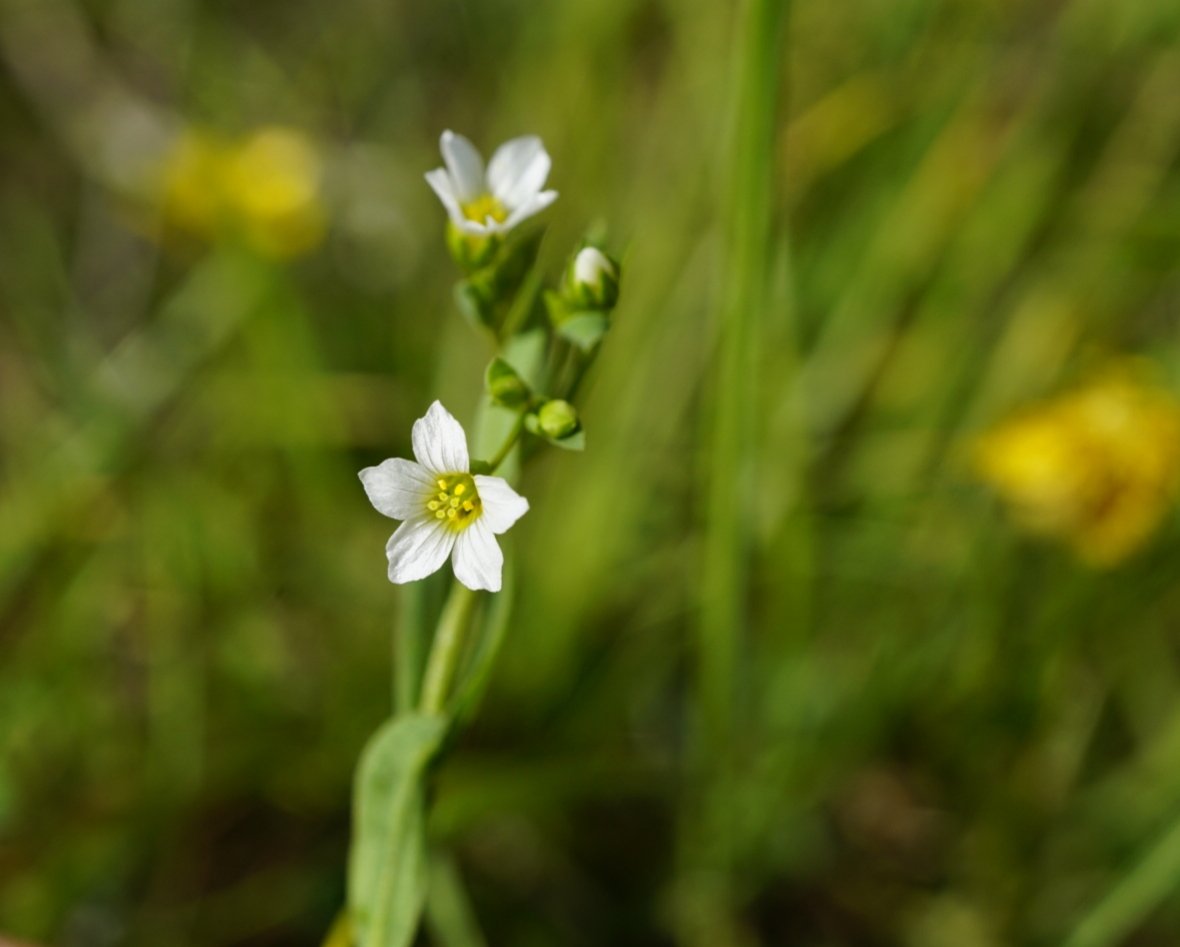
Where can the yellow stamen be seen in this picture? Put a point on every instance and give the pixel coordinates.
(483, 207)
(456, 503)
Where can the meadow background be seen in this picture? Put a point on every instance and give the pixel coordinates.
(939, 733)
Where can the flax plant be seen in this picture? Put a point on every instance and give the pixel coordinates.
(453, 506)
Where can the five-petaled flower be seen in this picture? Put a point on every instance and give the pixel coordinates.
(445, 509)
(492, 202)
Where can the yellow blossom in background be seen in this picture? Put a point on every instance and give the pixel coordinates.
(189, 189)
(1097, 467)
(272, 187)
(264, 189)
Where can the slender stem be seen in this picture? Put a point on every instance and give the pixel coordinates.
(509, 443)
(1145, 886)
(732, 448)
(723, 629)
(449, 639)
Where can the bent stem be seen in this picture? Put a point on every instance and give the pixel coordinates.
(447, 650)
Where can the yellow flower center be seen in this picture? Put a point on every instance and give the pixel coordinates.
(456, 503)
(483, 207)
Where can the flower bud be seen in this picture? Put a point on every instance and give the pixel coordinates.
(594, 279)
(557, 419)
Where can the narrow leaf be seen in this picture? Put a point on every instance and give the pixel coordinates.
(387, 869)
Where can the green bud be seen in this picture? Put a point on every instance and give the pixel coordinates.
(505, 386)
(471, 251)
(557, 419)
(593, 280)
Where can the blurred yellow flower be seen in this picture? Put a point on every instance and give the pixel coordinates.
(189, 186)
(1097, 467)
(264, 188)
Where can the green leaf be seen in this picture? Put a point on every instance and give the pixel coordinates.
(584, 329)
(525, 352)
(555, 307)
(449, 913)
(387, 868)
(474, 304)
(574, 441)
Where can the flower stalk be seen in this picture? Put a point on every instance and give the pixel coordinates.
(509, 443)
(447, 651)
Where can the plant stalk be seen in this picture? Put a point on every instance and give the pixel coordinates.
(447, 651)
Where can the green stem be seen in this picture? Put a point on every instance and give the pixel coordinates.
(748, 211)
(509, 443)
(447, 650)
(723, 631)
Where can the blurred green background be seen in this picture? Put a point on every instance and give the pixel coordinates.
(946, 734)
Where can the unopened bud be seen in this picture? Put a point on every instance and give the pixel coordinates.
(594, 279)
(557, 419)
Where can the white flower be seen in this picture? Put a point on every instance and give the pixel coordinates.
(482, 203)
(446, 511)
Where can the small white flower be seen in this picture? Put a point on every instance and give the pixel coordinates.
(482, 203)
(446, 511)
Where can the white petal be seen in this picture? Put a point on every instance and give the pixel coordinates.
(397, 487)
(440, 182)
(439, 442)
(478, 560)
(417, 548)
(518, 170)
(533, 206)
(502, 506)
(465, 165)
